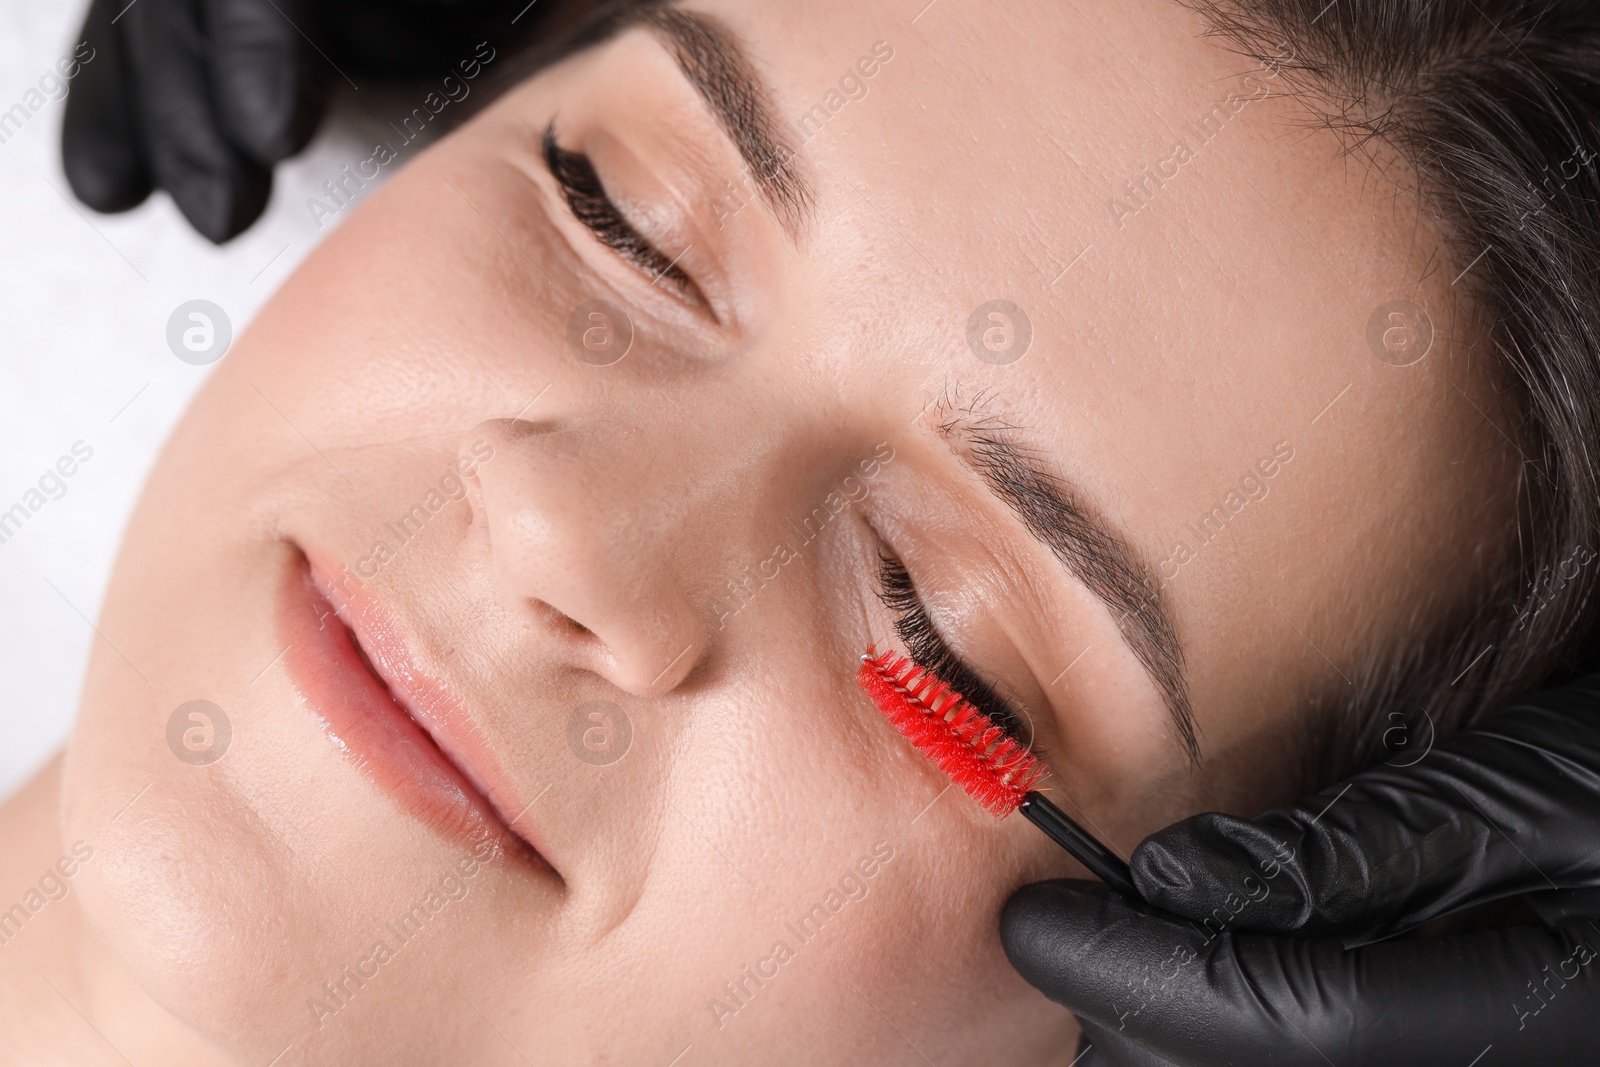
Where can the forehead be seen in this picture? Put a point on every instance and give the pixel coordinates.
(1194, 259)
(1102, 164)
(1005, 108)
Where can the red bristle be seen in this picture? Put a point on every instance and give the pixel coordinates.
(960, 740)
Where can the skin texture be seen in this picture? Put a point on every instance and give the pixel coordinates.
(1187, 341)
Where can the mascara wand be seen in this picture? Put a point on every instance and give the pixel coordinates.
(980, 757)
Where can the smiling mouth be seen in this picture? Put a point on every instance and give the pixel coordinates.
(411, 739)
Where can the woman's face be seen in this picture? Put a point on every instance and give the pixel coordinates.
(626, 597)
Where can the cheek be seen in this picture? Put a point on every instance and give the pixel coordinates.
(922, 945)
(165, 888)
(774, 801)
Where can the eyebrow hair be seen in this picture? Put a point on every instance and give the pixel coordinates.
(715, 63)
(1083, 541)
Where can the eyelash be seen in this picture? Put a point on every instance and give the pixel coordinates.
(586, 197)
(929, 651)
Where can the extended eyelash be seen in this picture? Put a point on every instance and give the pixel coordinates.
(929, 651)
(586, 197)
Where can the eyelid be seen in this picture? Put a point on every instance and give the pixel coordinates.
(929, 650)
(590, 204)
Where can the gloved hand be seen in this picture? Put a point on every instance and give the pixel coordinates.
(202, 97)
(1255, 944)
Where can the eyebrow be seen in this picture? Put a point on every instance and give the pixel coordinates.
(715, 63)
(1083, 541)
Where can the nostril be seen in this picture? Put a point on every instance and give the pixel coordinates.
(557, 620)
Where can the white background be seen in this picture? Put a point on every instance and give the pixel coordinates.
(84, 303)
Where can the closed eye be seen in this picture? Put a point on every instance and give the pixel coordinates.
(928, 649)
(586, 197)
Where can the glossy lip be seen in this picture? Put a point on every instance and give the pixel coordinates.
(403, 729)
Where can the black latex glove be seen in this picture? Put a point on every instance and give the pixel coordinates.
(202, 97)
(1240, 955)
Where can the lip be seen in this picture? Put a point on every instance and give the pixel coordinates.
(404, 730)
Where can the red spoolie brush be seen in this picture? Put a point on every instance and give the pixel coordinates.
(978, 756)
(960, 740)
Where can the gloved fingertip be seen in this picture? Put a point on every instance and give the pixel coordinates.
(101, 153)
(105, 176)
(267, 90)
(1160, 872)
(1186, 868)
(269, 111)
(222, 206)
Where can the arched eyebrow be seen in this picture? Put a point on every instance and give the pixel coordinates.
(1081, 538)
(715, 62)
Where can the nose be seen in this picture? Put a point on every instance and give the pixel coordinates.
(599, 535)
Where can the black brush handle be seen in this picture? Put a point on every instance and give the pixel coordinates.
(1101, 861)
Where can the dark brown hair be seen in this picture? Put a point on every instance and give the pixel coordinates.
(1495, 107)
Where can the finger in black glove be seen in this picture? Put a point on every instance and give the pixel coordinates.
(197, 97)
(1511, 806)
(1256, 945)
(202, 97)
(1151, 988)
